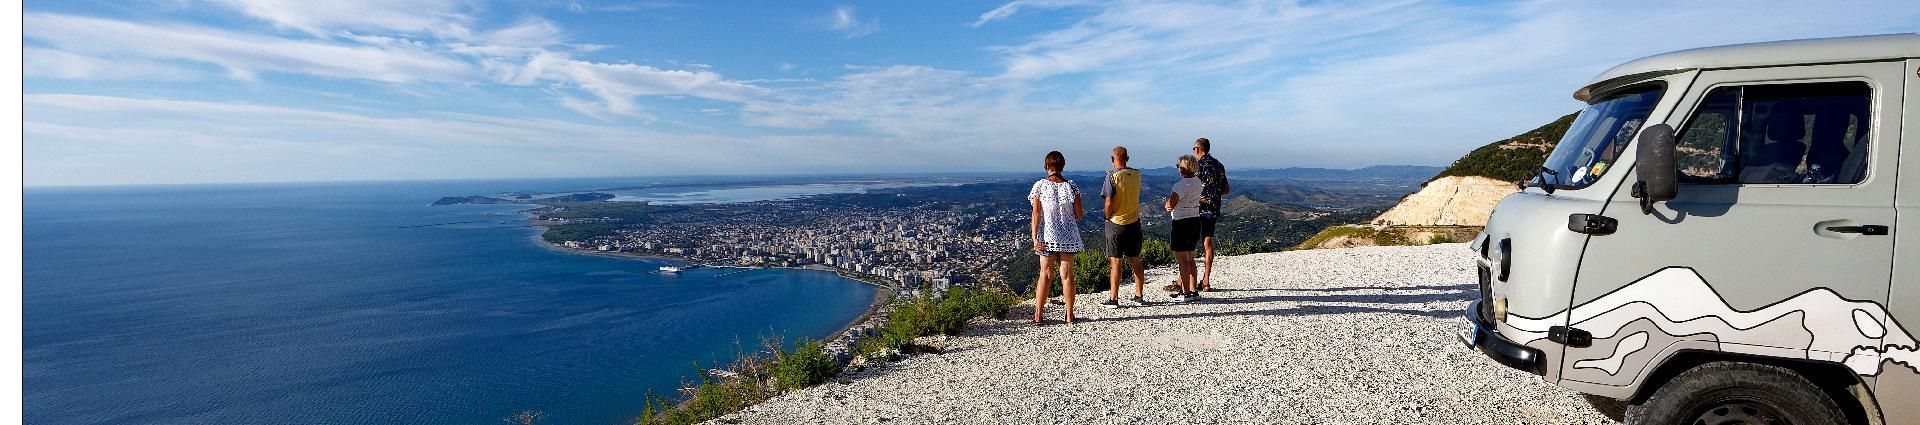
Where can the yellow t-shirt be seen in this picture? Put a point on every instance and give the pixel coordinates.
(1123, 186)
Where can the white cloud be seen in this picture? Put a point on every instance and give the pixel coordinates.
(617, 85)
(242, 55)
(577, 7)
(846, 21)
(529, 52)
(37, 62)
(1009, 9)
(439, 17)
(83, 139)
(1276, 83)
(1197, 37)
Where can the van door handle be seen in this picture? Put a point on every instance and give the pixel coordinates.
(1868, 229)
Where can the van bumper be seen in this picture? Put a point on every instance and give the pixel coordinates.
(1479, 335)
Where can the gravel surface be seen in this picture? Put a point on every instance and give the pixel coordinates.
(1359, 335)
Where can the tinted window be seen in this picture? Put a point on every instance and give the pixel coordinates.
(1778, 134)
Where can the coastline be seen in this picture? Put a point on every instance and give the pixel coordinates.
(882, 297)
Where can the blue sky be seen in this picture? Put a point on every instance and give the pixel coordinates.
(200, 91)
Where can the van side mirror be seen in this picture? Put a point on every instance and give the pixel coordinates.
(1659, 177)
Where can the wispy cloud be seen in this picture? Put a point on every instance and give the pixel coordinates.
(1189, 37)
(83, 139)
(1011, 8)
(624, 7)
(618, 84)
(440, 17)
(242, 55)
(38, 62)
(1275, 83)
(845, 20)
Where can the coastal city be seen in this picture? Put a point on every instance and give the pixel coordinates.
(926, 245)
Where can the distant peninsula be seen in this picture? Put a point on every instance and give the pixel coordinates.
(523, 199)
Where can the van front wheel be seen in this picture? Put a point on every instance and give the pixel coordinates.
(1736, 393)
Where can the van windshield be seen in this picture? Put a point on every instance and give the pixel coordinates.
(1598, 137)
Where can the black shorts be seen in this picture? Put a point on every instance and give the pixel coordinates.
(1206, 225)
(1123, 240)
(1186, 233)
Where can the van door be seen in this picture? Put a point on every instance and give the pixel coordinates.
(1787, 184)
(1898, 385)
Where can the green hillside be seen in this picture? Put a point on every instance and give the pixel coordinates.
(1513, 159)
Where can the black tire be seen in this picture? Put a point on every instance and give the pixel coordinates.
(1737, 393)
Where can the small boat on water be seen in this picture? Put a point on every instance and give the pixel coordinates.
(671, 269)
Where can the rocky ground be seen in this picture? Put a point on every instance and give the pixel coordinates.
(1361, 335)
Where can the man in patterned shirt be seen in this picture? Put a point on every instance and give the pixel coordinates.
(1213, 177)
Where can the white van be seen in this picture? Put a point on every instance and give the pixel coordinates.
(1717, 239)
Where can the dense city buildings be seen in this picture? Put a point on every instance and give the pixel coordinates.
(923, 245)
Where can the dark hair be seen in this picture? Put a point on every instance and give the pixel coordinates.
(1056, 162)
(1204, 144)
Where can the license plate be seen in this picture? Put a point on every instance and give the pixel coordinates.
(1464, 329)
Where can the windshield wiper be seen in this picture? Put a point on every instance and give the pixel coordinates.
(1541, 176)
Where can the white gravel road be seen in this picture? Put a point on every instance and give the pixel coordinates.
(1360, 335)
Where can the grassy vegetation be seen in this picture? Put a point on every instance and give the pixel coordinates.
(578, 231)
(758, 377)
(626, 212)
(807, 365)
(1361, 232)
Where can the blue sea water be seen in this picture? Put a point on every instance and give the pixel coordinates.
(359, 303)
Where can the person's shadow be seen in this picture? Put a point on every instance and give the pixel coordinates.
(1396, 300)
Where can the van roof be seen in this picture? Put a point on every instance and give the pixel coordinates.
(1772, 53)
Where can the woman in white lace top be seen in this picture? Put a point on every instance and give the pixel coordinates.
(1056, 231)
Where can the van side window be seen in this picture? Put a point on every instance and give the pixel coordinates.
(1704, 150)
(1778, 134)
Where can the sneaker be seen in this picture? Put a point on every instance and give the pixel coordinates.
(1179, 297)
(1110, 303)
(1138, 301)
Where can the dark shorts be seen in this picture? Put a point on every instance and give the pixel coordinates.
(1206, 225)
(1123, 240)
(1186, 233)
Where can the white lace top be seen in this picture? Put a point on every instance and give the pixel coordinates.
(1058, 230)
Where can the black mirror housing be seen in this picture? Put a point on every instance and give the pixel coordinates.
(1656, 170)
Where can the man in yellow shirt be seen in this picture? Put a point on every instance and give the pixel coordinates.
(1121, 192)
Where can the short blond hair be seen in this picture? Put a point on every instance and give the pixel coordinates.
(1188, 165)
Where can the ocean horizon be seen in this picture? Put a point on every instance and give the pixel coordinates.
(345, 303)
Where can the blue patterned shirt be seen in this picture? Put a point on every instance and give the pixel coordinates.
(1213, 178)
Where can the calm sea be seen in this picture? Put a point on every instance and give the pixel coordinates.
(359, 303)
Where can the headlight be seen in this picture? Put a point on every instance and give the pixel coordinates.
(1506, 259)
(1500, 309)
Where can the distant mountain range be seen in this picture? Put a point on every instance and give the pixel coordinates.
(1379, 173)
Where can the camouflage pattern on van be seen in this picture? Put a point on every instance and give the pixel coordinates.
(1675, 305)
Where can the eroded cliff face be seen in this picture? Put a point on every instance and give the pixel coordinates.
(1449, 201)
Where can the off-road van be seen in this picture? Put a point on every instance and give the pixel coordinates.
(1717, 239)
